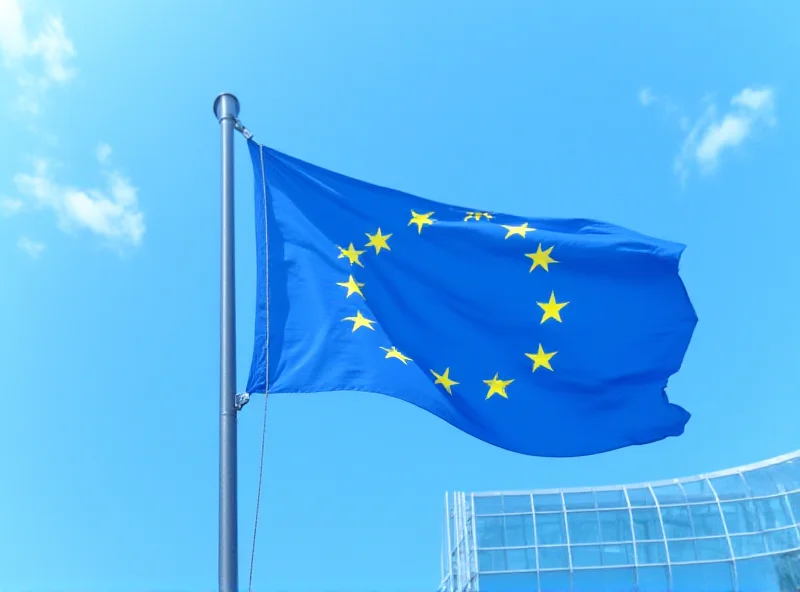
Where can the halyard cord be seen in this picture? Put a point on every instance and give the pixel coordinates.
(266, 379)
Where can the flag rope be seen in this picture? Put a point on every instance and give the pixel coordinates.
(258, 495)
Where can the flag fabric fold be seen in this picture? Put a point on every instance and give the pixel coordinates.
(547, 337)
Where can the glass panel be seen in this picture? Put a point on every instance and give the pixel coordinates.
(553, 557)
(640, 496)
(790, 474)
(740, 517)
(517, 504)
(550, 529)
(748, 544)
(707, 520)
(761, 482)
(782, 540)
(646, 525)
(489, 505)
(583, 500)
(519, 559)
(698, 491)
(758, 574)
(490, 531)
(787, 568)
(586, 556)
(773, 512)
(583, 527)
(676, 522)
(681, 551)
(617, 554)
(519, 530)
(603, 580)
(554, 581)
(615, 526)
(794, 502)
(614, 498)
(669, 494)
(516, 582)
(705, 577)
(651, 553)
(730, 487)
(547, 502)
(651, 579)
(492, 560)
(712, 549)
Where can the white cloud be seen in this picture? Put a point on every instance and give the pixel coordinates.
(31, 247)
(646, 96)
(35, 61)
(112, 213)
(103, 152)
(9, 206)
(713, 133)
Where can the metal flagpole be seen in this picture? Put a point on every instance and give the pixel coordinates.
(226, 108)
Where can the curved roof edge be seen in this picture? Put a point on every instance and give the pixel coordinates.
(756, 465)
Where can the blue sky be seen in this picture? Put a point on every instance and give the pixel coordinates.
(676, 119)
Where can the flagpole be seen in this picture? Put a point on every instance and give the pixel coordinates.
(226, 108)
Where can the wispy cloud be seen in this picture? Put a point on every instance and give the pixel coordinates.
(10, 206)
(112, 213)
(30, 247)
(35, 60)
(646, 96)
(716, 131)
(103, 152)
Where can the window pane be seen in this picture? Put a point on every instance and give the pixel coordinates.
(490, 531)
(651, 579)
(583, 500)
(491, 560)
(698, 491)
(758, 574)
(782, 540)
(603, 580)
(773, 512)
(518, 582)
(519, 559)
(550, 529)
(740, 517)
(712, 549)
(615, 526)
(614, 498)
(676, 522)
(707, 520)
(553, 557)
(794, 502)
(681, 551)
(519, 530)
(517, 504)
(730, 487)
(748, 544)
(761, 481)
(617, 554)
(646, 524)
(705, 577)
(790, 474)
(651, 553)
(640, 496)
(554, 581)
(489, 505)
(583, 527)
(586, 556)
(547, 502)
(669, 494)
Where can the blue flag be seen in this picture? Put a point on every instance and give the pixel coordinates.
(546, 337)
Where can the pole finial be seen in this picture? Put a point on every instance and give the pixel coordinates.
(226, 105)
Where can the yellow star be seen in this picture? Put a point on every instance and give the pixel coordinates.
(497, 387)
(379, 241)
(477, 216)
(445, 380)
(393, 353)
(351, 253)
(353, 287)
(540, 258)
(521, 230)
(360, 321)
(541, 359)
(552, 309)
(420, 220)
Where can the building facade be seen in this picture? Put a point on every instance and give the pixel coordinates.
(731, 531)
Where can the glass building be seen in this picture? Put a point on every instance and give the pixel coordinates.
(730, 531)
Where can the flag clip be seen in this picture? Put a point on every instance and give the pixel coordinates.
(242, 129)
(240, 400)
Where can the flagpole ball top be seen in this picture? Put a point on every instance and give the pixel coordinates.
(226, 105)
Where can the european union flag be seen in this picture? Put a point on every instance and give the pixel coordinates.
(546, 337)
